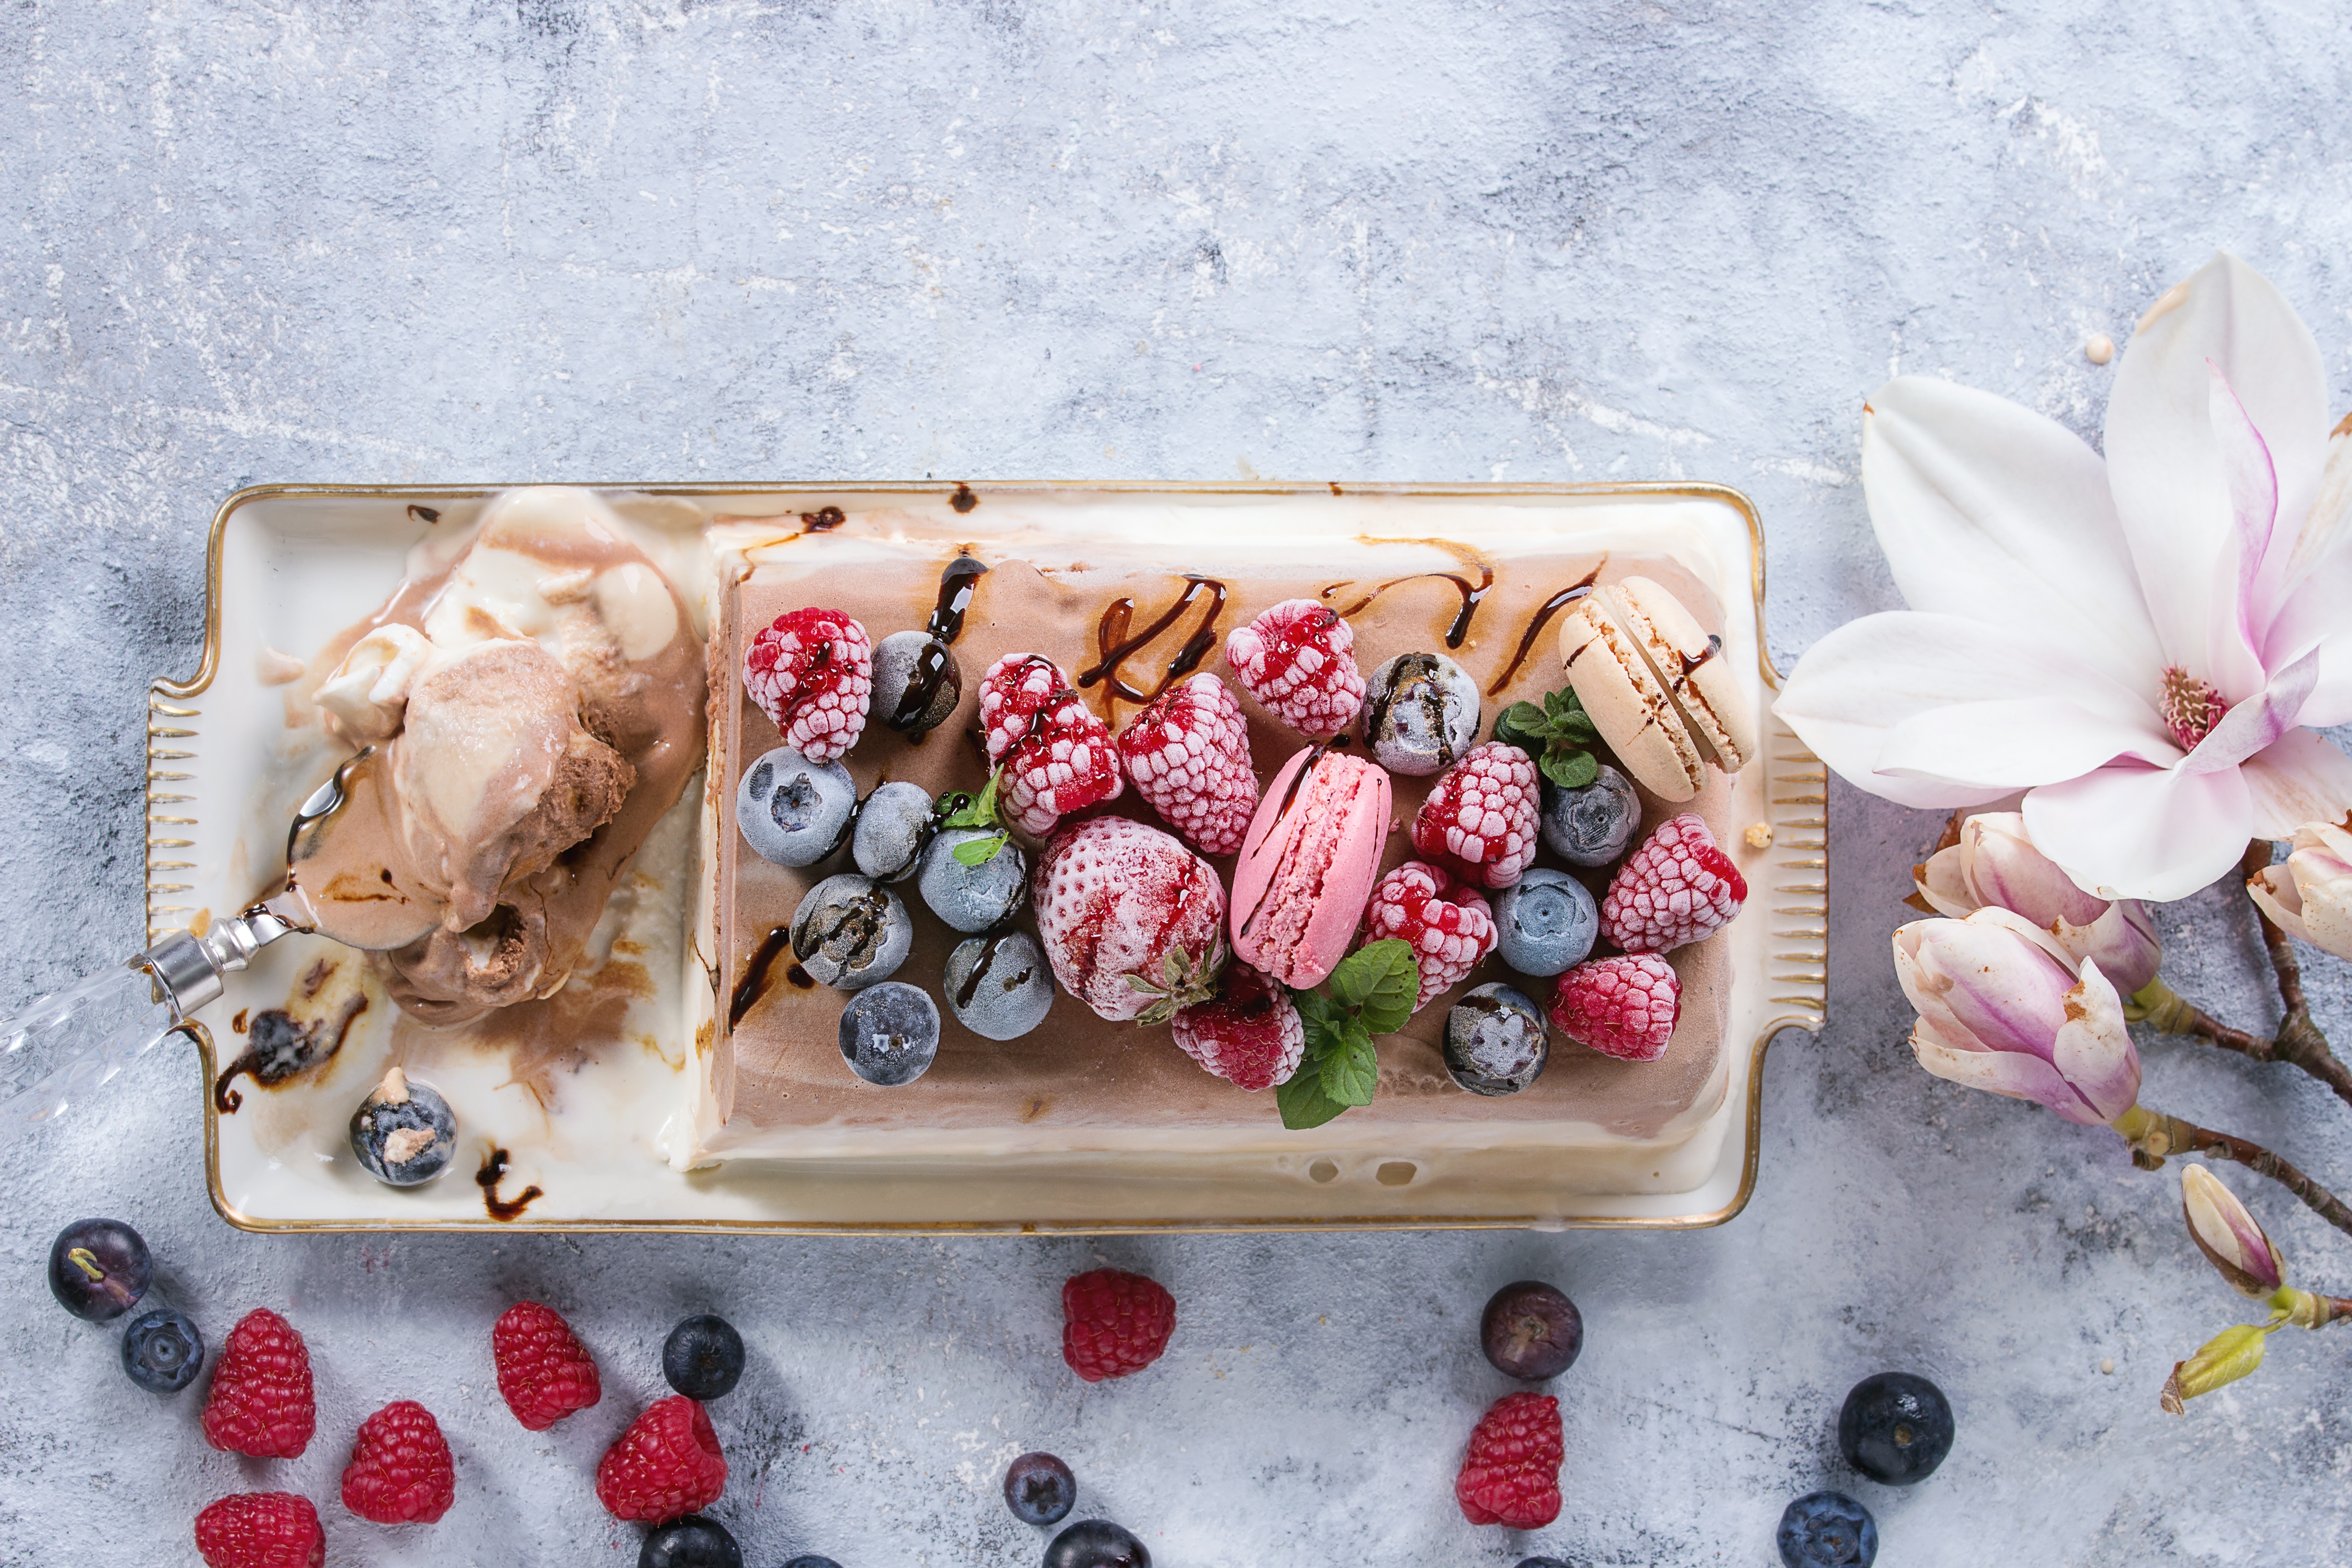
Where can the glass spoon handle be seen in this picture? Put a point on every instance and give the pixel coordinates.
(63, 1047)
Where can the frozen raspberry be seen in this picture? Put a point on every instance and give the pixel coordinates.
(1114, 1323)
(811, 672)
(1510, 1477)
(1482, 819)
(1056, 755)
(1132, 922)
(1189, 755)
(665, 1467)
(1674, 890)
(1621, 1007)
(260, 1530)
(544, 1371)
(1449, 925)
(1249, 1033)
(400, 1471)
(260, 1403)
(1298, 660)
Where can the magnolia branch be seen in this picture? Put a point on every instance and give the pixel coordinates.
(2153, 1135)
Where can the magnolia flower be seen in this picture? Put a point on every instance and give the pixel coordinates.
(2138, 641)
(2227, 1236)
(2309, 894)
(2002, 1006)
(1996, 865)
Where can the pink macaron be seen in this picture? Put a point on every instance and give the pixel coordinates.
(1309, 864)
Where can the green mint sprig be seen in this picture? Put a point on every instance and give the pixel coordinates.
(966, 810)
(1371, 992)
(1556, 735)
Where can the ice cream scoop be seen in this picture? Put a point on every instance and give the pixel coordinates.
(1649, 676)
(1308, 865)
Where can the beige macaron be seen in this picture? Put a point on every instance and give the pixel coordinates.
(1650, 677)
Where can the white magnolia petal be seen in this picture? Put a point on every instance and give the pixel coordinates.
(2274, 893)
(2136, 832)
(1942, 884)
(1989, 510)
(2300, 777)
(2318, 615)
(1999, 1072)
(2247, 589)
(2260, 721)
(2014, 744)
(1852, 689)
(2163, 462)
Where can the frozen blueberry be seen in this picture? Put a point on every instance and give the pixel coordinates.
(998, 987)
(693, 1542)
(917, 682)
(161, 1351)
(1532, 1331)
(893, 825)
(1547, 921)
(890, 1033)
(1896, 1427)
(972, 898)
(1097, 1543)
(850, 932)
(1495, 1040)
(1828, 1529)
(1420, 711)
(703, 1357)
(1040, 1489)
(1592, 825)
(404, 1133)
(793, 811)
(99, 1269)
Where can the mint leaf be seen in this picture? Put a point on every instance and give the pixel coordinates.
(975, 811)
(1524, 725)
(1303, 1103)
(1381, 980)
(978, 851)
(1569, 770)
(1351, 1068)
(1318, 1012)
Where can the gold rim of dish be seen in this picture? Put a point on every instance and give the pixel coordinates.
(1797, 800)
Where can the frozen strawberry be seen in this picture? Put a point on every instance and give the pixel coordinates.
(1056, 755)
(1674, 890)
(1131, 921)
(1623, 1007)
(811, 672)
(1250, 1033)
(1299, 659)
(1482, 818)
(1510, 1476)
(1189, 755)
(1451, 927)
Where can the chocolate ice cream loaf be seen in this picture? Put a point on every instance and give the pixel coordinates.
(1119, 621)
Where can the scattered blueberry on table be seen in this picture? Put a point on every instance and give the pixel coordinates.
(99, 1269)
(1097, 1543)
(703, 1357)
(161, 1351)
(1827, 1529)
(1532, 1331)
(690, 1542)
(1040, 1489)
(1896, 1427)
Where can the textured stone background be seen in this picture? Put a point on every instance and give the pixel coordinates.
(535, 239)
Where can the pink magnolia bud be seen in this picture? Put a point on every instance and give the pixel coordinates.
(2309, 894)
(2228, 1236)
(1996, 866)
(2002, 1006)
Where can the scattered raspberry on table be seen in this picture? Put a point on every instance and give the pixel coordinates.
(260, 1530)
(665, 1467)
(1511, 1474)
(400, 1471)
(544, 1371)
(1114, 1323)
(260, 1404)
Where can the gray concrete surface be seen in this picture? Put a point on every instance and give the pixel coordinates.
(253, 241)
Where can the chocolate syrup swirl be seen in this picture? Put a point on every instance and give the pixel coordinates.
(1116, 643)
(1460, 629)
(1543, 615)
(753, 984)
(971, 987)
(957, 584)
(824, 520)
(493, 1171)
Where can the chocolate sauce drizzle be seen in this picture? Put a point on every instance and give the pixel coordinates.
(493, 1171)
(824, 520)
(971, 987)
(957, 584)
(753, 984)
(1117, 643)
(1543, 615)
(1460, 629)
